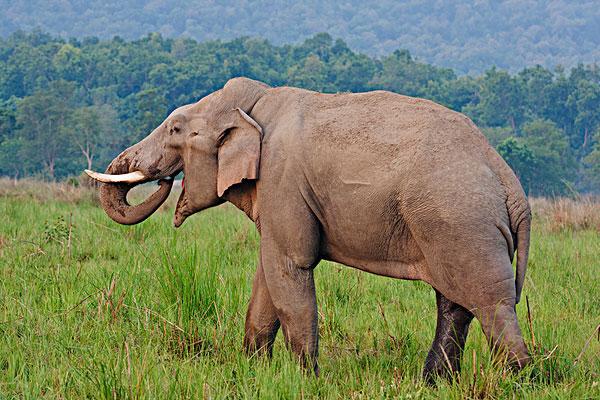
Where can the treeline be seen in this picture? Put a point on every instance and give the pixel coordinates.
(70, 104)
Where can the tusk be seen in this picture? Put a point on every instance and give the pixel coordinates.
(132, 177)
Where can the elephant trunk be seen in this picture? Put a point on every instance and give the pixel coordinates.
(113, 196)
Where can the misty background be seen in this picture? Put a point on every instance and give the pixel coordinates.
(468, 36)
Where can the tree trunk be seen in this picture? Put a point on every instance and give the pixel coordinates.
(87, 153)
(51, 168)
(512, 124)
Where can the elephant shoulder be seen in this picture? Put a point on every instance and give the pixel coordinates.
(281, 110)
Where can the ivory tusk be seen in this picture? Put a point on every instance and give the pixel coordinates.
(132, 177)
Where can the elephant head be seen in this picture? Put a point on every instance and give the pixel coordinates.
(214, 142)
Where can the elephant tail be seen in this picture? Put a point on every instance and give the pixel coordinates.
(519, 213)
(520, 225)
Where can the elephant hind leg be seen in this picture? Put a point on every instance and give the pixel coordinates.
(501, 327)
(262, 323)
(450, 336)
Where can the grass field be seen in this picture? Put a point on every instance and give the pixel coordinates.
(92, 309)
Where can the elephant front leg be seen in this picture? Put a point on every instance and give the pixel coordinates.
(262, 323)
(450, 336)
(292, 289)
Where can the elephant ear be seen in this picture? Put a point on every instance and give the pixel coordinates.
(238, 150)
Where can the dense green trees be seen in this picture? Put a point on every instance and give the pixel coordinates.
(468, 36)
(68, 105)
(541, 157)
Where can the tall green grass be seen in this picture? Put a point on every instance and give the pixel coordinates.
(92, 309)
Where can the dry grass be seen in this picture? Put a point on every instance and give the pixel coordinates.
(568, 214)
(75, 191)
(582, 213)
(30, 189)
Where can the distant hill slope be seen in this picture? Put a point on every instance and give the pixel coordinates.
(469, 36)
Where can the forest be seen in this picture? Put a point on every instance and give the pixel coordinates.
(70, 104)
(466, 35)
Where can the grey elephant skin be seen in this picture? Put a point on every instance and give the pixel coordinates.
(389, 184)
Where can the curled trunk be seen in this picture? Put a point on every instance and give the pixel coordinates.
(113, 198)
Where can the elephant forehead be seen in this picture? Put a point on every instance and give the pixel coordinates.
(176, 119)
(183, 111)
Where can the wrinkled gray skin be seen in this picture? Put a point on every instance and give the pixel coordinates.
(389, 184)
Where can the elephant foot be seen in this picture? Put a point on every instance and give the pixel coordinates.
(502, 330)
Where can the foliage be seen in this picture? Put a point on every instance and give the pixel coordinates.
(592, 163)
(518, 156)
(68, 105)
(541, 157)
(152, 312)
(466, 35)
(554, 165)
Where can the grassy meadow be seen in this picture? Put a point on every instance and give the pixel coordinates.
(92, 309)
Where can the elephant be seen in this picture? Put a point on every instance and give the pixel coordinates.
(389, 184)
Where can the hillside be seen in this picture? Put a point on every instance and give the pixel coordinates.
(68, 105)
(468, 36)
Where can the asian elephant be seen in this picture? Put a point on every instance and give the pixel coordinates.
(393, 185)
